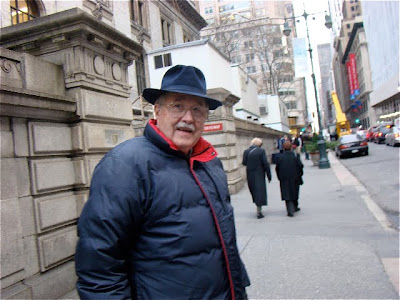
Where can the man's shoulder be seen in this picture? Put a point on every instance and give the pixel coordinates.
(134, 147)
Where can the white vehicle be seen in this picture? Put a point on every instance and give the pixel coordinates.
(393, 136)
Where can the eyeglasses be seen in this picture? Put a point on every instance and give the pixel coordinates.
(178, 110)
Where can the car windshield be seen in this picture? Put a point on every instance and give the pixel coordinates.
(385, 130)
(350, 138)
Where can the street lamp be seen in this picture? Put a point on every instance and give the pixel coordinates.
(323, 159)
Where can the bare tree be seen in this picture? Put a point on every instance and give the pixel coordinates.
(258, 46)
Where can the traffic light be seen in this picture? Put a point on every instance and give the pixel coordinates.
(357, 121)
(303, 129)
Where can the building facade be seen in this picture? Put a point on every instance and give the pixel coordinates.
(367, 74)
(325, 61)
(380, 23)
(70, 72)
(249, 33)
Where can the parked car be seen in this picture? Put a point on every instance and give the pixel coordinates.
(393, 136)
(370, 133)
(380, 133)
(351, 144)
(362, 133)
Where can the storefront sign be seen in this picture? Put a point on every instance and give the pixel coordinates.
(213, 127)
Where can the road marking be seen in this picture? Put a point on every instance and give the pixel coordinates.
(392, 269)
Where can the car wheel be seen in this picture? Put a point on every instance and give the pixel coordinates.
(366, 152)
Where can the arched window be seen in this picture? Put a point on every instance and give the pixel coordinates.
(23, 11)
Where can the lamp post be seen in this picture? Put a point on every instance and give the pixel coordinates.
(323, 159)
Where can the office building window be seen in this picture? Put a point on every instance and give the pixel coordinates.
(248, 44)
(208, 10)
(166, 27)
(249, 57)
(251, 69)
(161, 61)
(292, 121)
(137, 12)
(263, 110)
(140, 74)
(23, 11)
(291, 105)
(187, 37)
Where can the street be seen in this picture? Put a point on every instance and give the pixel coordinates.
(334, 248)
(379, 173)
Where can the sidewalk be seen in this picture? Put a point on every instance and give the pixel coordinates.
(337, 247)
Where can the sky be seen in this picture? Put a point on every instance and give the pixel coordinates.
(319, 34)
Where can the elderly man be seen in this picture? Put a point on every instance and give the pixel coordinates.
(158, 223)
(257, 166)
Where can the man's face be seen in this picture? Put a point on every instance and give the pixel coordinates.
(181, 118)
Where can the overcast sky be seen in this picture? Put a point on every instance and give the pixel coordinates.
(319, 34)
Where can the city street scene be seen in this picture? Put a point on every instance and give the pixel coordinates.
(146, 146)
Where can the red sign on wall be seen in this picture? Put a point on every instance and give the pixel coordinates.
(212, 127)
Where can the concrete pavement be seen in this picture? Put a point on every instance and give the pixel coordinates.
(339, 246)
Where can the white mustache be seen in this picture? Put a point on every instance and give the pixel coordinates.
(183, 125)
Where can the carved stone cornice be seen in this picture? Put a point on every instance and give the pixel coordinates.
(189, 12)
(93, 54)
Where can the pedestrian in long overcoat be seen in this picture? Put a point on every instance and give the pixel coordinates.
(289, 170)
(255, 160)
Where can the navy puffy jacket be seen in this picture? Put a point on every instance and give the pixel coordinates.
(158, 225)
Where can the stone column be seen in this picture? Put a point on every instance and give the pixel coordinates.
(64, 104)
(220, 131)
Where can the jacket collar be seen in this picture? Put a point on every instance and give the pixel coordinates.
(203, 151)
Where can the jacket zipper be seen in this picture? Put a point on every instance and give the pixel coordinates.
(219, 234)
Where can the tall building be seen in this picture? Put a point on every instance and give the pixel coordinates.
(351, 67)
(325, 60)
(382, 33)
(249, 33)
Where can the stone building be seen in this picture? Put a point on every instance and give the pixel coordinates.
(69, 74)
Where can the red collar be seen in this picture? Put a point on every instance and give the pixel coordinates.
(203, 151)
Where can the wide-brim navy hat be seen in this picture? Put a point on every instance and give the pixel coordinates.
(185, 80)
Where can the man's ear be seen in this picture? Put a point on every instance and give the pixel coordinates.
(156, 110)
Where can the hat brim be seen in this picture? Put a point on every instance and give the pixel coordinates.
(151, 96)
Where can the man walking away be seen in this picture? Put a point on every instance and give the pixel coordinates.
(289, 170)
(255, 160)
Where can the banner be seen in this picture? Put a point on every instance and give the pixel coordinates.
(350, 79)
(356, 87)
(300, 57)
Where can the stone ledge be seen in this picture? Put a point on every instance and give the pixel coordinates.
(35, 94)
(19, 102)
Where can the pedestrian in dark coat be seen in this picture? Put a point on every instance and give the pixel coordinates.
(158, 223)
(255, 160)
(289, 170)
